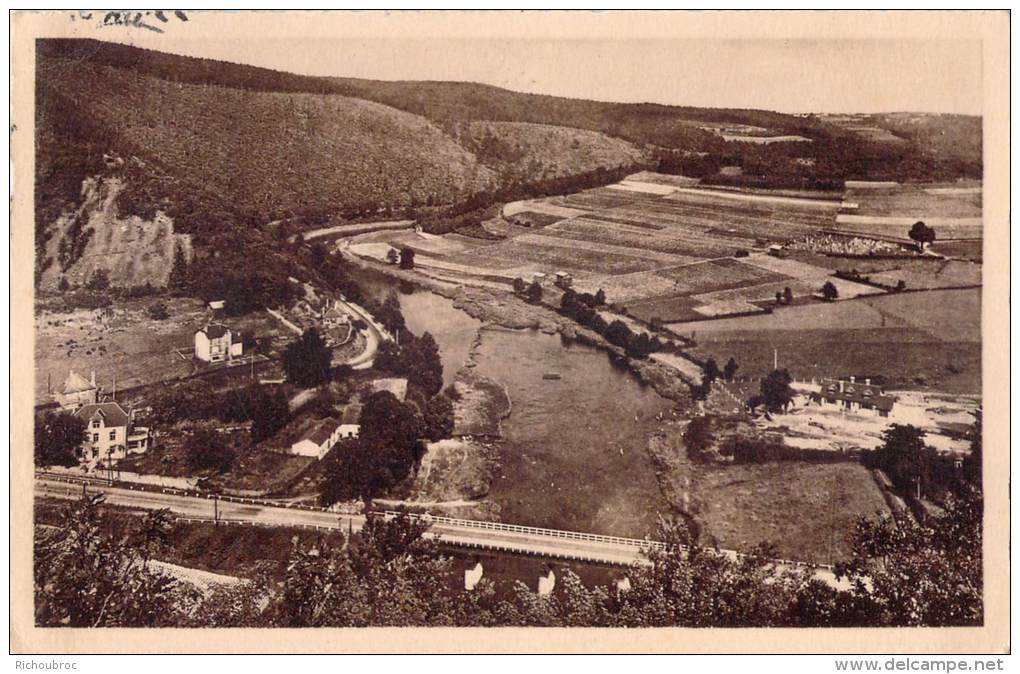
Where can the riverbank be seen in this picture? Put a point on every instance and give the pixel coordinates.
(504, 309)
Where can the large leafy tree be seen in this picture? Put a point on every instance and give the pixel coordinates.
(776, 391)
(86, 576)
(307, 360)
(905, 573)
(58, 436)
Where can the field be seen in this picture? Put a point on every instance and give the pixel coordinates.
(122, 344)
(664, 247)
(806, 510)
(954, 211)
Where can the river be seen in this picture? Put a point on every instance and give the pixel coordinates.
(574, 454)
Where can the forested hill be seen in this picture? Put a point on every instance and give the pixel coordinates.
(224, 149)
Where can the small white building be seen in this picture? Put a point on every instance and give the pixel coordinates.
(216, 343)
(77, 391)
(318, 439)
(335, 317)
(538, 277)
(350, 422)
(564, 280)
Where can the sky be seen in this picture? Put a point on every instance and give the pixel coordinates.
(787, 75)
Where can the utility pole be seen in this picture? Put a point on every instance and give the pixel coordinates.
(216, 508)
(775, 359)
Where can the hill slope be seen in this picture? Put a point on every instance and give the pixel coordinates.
(277, 153)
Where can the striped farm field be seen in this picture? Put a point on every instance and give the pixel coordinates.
(516, 253)
(688, 244)
(706, 277)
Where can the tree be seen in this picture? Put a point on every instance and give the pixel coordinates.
(63, 285)
(600, 297)
(158, 311)
(730, 369)
(787, 295)
(711, 370)
(86, 577)
(423, 363)
(535, 292)
(618, 334)
(318, 253)
(779, 297)
(208, 450)
(100, 280)
(520, 286)
(391, 315)
(407, 258)
(307, 360)
(776, 392)
(829, 291)
(58, 438)
(269, 413)
(905, 573)
(905, 457)
(439, 419)
(922, 234)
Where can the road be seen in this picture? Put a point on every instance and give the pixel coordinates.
(459, 533)
(374, 336)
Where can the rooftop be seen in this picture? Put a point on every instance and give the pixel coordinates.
(112, 413)
(75, 383)
(320, 432)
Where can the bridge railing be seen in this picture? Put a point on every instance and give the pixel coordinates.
(535, 531)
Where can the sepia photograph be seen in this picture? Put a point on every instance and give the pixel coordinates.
(510, 319)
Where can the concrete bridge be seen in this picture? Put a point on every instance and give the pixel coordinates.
(471, 534)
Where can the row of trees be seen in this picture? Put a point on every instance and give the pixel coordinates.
(583, 308)
(916, 468)
(391, 574)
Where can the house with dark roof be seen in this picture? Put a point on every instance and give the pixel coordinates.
(318, 439)
(77, 391)
(216, 343)
(110, 432)
(853, 396)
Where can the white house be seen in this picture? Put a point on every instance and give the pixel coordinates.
(110, 432)
(215, 343)
(318, 439)
(350, 425)
(77, 391)
(335, 317)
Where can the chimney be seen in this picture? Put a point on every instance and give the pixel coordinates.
(867, 382)
(851, 379)
(840, 385)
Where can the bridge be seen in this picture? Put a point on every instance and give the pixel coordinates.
(461, 533)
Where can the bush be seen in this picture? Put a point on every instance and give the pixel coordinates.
(158, 311)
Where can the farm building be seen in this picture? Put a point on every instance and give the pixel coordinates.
(335, 317)
(538, 277)
(853, 396)
(564, 280)
(77, 391)
(110, 432)
(318, 439)
(350, 422)
(215, 343)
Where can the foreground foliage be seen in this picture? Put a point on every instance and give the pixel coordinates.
(391, 573)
